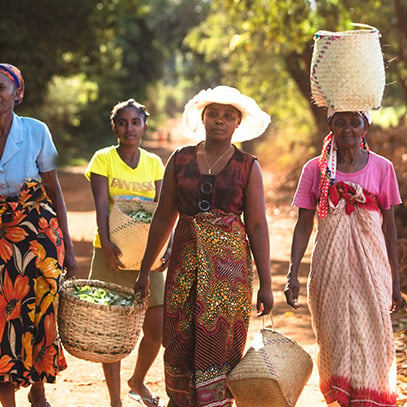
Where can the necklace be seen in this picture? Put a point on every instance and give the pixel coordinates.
(210, 167)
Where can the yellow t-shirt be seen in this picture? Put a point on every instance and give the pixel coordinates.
(123, 180)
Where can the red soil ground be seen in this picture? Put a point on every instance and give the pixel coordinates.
(83, 385)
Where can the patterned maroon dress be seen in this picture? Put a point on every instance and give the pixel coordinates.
(208, 292)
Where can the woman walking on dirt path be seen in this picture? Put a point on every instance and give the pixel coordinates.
(208, 295)
(354, 282)
(127, 171)
(35, 247)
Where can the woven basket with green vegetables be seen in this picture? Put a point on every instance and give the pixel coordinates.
(99, 321)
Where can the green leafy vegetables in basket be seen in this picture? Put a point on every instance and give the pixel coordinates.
(141, 215)
(101, 296)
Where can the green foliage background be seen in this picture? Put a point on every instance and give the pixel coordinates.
(80, 57)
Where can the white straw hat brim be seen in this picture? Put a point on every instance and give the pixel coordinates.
(254, 120)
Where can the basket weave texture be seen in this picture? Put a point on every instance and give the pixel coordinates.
(272, 373)
(130, 235)
(347, 70)
(96, 332)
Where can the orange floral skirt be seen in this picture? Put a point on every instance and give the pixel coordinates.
(31, 261)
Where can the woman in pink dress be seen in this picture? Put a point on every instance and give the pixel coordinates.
(353, 284)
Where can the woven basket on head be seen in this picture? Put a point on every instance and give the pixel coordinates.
(272, 373)
(95, 332)
(130, 235)
(347, 70)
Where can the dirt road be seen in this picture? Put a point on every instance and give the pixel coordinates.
(82, 384)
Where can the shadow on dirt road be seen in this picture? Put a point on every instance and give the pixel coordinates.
(83, 385)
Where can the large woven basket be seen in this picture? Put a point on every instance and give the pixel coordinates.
(128, 234)
(95, 332)
(272, 373)
(347, 70)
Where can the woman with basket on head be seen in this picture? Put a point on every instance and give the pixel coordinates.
(127, 171)
(353, 284)
(209, 187)
(35, 246)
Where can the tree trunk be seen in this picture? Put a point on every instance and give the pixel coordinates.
(401, 15)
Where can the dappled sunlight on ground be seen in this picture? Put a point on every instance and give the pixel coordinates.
(82, 384)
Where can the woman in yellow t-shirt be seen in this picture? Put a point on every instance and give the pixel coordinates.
(126, 170)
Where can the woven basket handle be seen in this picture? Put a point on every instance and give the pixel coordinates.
(361, 25)
(367, 27)
(272, 323)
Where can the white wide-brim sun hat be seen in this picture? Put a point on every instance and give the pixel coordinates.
(254, 120)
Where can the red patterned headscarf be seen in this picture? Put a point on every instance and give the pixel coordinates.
(13, 73)
(327, 171)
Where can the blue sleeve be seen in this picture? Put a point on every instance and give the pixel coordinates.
(48, 154)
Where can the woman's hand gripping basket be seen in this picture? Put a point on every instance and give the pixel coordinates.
(129, 224)
(272, 373)
(99, 332)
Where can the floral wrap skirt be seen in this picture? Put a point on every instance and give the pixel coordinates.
(31, 262)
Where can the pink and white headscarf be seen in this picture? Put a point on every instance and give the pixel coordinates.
(328, 160)
(366, 115)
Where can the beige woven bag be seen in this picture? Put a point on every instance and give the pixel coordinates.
(272, 373)
(130, 234)
(347, 69)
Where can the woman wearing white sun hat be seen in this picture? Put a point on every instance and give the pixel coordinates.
(209, 282)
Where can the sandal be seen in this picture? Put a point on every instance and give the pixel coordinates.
(153, 401)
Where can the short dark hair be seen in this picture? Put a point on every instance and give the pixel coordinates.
(122, 105)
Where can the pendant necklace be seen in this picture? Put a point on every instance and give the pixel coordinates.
(210, 167)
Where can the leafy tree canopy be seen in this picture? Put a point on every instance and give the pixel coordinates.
(45, 38)
(265, 48)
